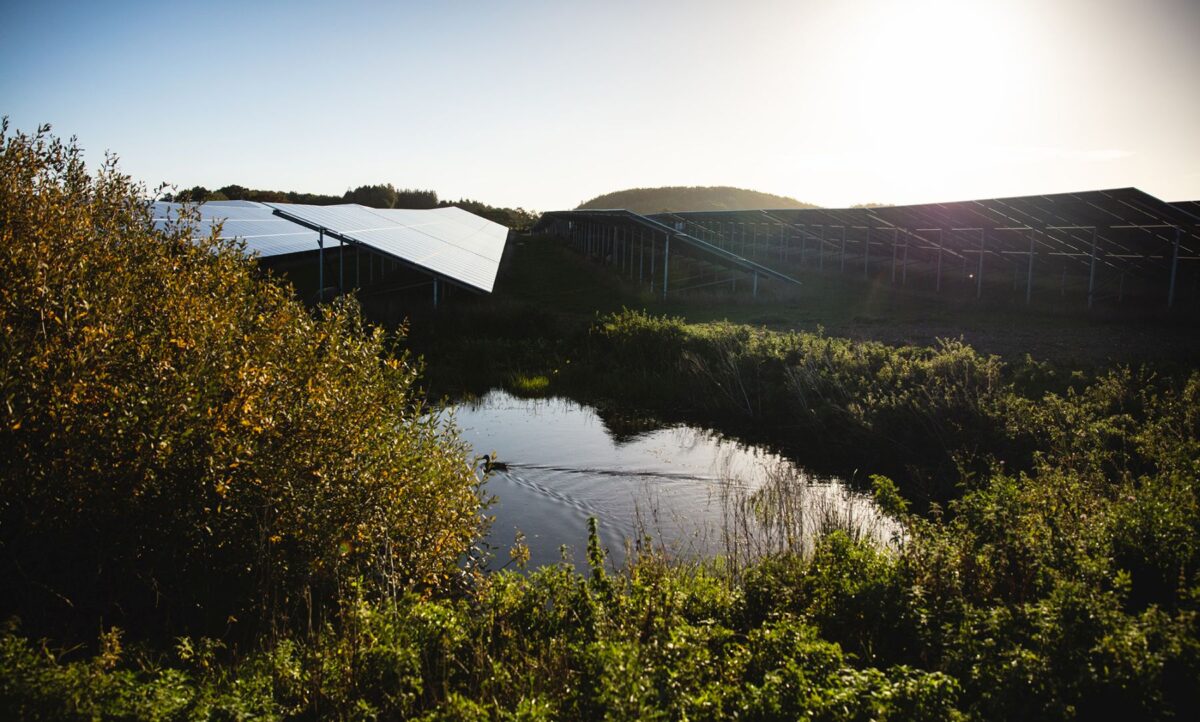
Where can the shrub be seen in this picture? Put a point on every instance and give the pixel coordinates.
(186, 447)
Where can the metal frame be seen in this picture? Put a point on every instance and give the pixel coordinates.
(1102, 240)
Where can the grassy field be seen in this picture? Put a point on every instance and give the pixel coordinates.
(541, 274)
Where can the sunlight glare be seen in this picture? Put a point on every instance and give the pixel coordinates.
(943, 75)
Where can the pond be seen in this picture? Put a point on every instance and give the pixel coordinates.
(690, 490)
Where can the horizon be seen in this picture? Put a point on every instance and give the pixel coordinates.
(544, 106)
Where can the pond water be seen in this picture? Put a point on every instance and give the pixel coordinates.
(681, 485)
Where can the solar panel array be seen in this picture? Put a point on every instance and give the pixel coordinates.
(1104, 237)
(446, 242)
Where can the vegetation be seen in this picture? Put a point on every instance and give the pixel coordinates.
(691, 198)
(216, 503)
(186, 447)
(373, 196)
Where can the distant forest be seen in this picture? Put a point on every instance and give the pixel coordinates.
(692, 198)
(373, 196)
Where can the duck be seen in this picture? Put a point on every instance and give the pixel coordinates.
(491, 464)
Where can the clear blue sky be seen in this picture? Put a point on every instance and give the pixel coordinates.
(544, 104)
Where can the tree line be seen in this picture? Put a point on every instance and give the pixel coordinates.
(382, 195)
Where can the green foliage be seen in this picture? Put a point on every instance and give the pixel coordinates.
(36, 684)
(528, 386)
(657, 643)
(186, 447)
(387, 196)
(887, 496)
(889, 407)
(518, 219)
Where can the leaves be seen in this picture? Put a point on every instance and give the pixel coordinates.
(185, 442)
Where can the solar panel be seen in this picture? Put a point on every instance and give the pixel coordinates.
(457, 227)
(1191, 208)
(263, 232)
(449, 242)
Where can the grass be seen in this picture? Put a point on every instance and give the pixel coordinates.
(528, 385)
(542, 274)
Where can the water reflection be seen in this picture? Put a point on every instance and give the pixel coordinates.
(685, 487)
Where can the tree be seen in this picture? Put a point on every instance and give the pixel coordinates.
(376, 196)
(235, 192)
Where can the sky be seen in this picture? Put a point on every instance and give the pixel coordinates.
(544, 104)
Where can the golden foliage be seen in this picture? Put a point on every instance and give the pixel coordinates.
(182, 439)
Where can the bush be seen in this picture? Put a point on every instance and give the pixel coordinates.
(186, 447)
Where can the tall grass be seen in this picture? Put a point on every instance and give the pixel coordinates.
(790, 512)
(861, 403)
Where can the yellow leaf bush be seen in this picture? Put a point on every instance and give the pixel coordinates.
(184, 443)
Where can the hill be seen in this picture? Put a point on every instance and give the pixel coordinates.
(691, 198)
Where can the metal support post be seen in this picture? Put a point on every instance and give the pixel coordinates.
(895, 244)
(321, 264)
(341, 266)
(755, 292)
(435, 292)
(938, 283)
(1029, 271)
(641, 253)
(821, 255)
(842, 268)
(979, 274)
(1092, 270)
(867, 255)
(1174, 266)
(666, 262)
(653, 255)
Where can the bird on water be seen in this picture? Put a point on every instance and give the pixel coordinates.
(492, 464)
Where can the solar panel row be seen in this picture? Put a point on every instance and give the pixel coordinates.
(1126, 222)
(1103, 237)
(1123, 207)
(447, 242)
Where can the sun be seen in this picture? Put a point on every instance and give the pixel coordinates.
(937, 73)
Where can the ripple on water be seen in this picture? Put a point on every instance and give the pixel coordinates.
(674, 483)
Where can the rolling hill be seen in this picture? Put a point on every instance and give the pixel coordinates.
(691, 198)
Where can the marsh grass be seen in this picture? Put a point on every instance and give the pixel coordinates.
(528, 385)
(788, 514)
